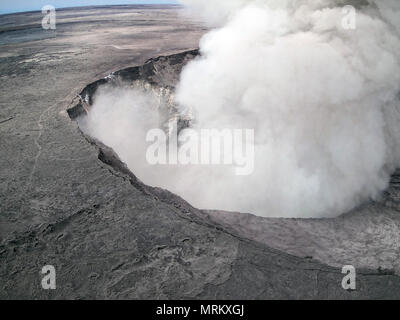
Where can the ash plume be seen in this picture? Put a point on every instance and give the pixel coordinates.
(323, 101)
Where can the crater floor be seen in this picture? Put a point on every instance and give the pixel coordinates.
(69, 202)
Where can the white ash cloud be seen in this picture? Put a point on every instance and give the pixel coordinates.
(323, 101)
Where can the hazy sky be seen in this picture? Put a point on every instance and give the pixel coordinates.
(8, 6)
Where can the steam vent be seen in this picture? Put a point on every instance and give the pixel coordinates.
(72, 202)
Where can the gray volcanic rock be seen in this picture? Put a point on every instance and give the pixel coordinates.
(68, 201)
(333, 241)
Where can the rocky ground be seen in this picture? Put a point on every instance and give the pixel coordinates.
(68, 201)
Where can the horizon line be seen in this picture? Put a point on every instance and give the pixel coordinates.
(3, 13)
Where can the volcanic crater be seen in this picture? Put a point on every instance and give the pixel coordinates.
(333, 241)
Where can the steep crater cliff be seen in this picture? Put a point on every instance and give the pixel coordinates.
(367, 237)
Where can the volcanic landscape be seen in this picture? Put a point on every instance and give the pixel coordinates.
(67, 199)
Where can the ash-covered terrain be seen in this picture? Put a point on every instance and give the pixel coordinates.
(68, 201)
